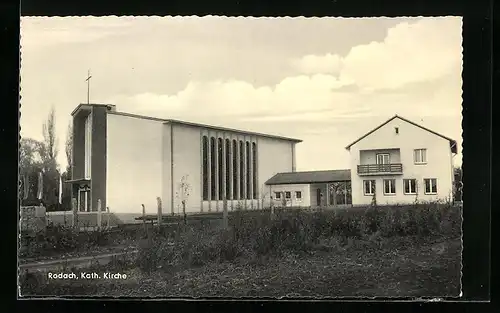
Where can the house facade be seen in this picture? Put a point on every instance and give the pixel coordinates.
(123, 160)
(310, 189)
(401, 162)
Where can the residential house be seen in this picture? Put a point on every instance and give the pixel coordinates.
(401, 162)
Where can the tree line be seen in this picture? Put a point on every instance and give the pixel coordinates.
(39, 172)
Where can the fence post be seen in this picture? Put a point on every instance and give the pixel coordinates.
(345, 193)
(144, 219)
(224, 214)
(184, 211)
(74, 206)
(160, 216)
(99, 214)
(107, 211)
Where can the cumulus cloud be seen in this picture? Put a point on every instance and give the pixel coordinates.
(299, 97)
(411, 52)
(319, 94)
(413, 72)
(313, 64)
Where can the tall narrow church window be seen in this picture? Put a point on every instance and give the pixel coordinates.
(212, 167)
(228, 166)
(205, 168)
(249, 174)
(236, 192)
(221, 164)
(242, 170)
(254, 169)
(88, 146)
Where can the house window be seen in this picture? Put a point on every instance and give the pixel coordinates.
(430, 186)
(369, 187)
(277, 195)
(410, 186)
(298, 195)
(389, 186)
(420, 156)
(288, 194)
(383, 158)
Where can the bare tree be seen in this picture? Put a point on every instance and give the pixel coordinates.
(49, 151)
(69, 149)
(50, 139)
(182, 194)
(336, 189)
(263, 194)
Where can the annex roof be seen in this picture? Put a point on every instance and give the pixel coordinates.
(453, 143)
(310, 177)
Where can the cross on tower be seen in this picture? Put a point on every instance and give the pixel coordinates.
(88, 86)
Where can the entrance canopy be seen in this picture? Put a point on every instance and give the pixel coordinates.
(81, 181)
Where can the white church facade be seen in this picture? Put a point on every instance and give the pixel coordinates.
(127, 160)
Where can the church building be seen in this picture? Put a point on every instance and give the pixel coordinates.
(124, 161)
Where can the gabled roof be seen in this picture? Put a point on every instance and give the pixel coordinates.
(453, 143)
(310, 177)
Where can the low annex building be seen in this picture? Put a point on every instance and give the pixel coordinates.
(311, 188)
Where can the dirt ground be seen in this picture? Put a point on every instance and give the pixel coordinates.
(425, 269)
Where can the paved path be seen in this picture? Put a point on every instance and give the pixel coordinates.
(77, 262)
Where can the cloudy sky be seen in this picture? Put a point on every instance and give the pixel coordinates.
(324, 80)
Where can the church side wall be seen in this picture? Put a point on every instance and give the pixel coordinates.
(274, 156)
(186, 168)
(134, 164)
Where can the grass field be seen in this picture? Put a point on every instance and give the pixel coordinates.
(389, 252)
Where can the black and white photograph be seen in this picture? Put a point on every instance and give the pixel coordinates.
(240, 157)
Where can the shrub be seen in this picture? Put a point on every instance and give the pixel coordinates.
(62, 239)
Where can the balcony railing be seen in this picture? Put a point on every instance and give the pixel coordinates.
(377, 169)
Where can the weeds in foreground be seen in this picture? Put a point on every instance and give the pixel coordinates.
(254, 236)
(60, 239)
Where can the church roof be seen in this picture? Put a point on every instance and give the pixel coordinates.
(310, 177)
(111, 109)
(173, 121)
